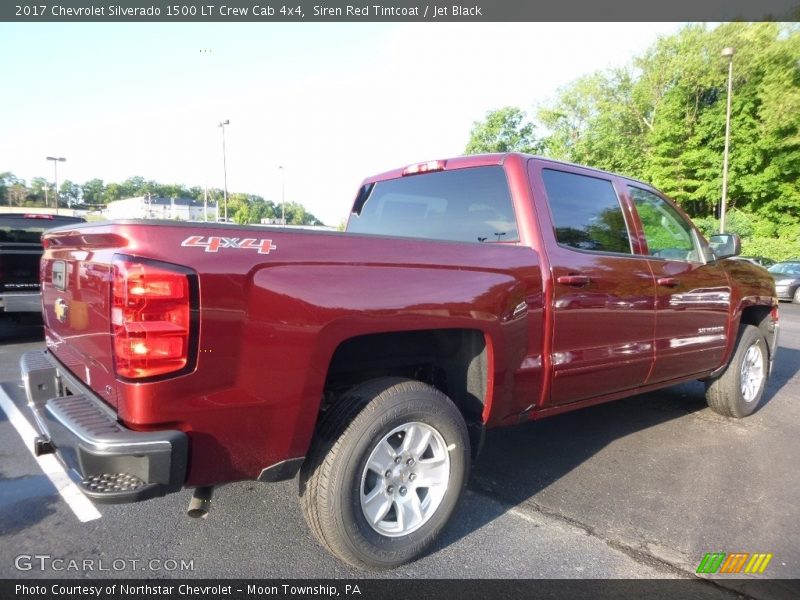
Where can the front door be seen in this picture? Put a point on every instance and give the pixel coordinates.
(693, 295)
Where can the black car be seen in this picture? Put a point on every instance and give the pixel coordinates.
(787, 279)
(20, 252)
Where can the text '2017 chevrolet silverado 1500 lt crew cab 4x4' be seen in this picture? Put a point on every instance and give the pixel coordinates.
(466, 294)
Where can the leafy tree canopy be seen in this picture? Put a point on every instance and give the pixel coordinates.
(662, 119)
(503, 130)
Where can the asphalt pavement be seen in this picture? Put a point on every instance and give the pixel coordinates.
(639, 488)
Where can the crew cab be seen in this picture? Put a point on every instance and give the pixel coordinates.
(20, 251)
(465, 294)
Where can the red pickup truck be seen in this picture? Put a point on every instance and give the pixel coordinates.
(467, 293)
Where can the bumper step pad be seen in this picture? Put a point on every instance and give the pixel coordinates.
(107, 487)
(112, 463)
(112, 482)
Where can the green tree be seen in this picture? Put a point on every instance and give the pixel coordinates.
(171, 190)
(7, 181)
(70, 192)
(503, 130)
(40, 189)
(112, 192)
(662, 119)
(93, 191)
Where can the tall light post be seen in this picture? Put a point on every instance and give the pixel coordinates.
(224, 167)
(283, 195)
(727, 53)
(56, 160)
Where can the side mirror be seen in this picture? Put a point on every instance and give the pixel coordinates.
(725, 244)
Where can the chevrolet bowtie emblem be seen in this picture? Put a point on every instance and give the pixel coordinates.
(61, 310)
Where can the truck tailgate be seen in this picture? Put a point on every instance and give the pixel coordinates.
(76, 275)
(19, 267)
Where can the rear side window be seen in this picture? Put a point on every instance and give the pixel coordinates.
(586, 212)
(463, 205)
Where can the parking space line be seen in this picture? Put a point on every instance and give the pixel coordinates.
(71, 493)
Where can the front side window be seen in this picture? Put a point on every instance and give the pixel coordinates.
(586, 212)
(463, 205)
(667, 233)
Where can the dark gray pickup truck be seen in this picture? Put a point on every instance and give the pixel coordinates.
(20, 252)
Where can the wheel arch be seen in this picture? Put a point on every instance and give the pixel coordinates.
(761, 312)
(457, 361)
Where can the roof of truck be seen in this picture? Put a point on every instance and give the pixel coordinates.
(485, 160)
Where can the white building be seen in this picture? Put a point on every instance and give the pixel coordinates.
(147, 207)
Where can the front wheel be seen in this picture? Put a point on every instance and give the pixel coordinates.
(796, 298)
(738, 390)
(385, 472)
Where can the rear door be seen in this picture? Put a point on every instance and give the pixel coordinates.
(692, 295)
(603, 297)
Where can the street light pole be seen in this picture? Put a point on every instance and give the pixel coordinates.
(283, 195)
(224, 168)
(728, 53)
(56, 160)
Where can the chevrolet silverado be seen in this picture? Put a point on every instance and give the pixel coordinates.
(465, 294)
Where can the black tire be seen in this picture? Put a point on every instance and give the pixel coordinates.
(796, 297)
(335, 473)
(724, 393)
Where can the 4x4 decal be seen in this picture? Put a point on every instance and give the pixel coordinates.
(213, 243)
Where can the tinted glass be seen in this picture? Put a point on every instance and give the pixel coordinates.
(24, 230)
(667, 233)
(586, 212)
(465, 205)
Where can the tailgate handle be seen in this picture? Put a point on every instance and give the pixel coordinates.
(576, 280)
(668, 281)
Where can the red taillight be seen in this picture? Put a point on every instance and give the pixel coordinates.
(425, 167)
(150, 319)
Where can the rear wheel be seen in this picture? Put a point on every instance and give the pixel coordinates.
(385, 472)
(738, 390)
(796, 298)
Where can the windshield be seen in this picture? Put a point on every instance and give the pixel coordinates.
(787, 268)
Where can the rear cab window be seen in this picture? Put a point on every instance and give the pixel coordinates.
(463, 205)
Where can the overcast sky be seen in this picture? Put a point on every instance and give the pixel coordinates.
(332, 103)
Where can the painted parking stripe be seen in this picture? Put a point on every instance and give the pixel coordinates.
(71, 493)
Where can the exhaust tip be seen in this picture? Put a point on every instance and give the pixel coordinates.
(200, 504)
